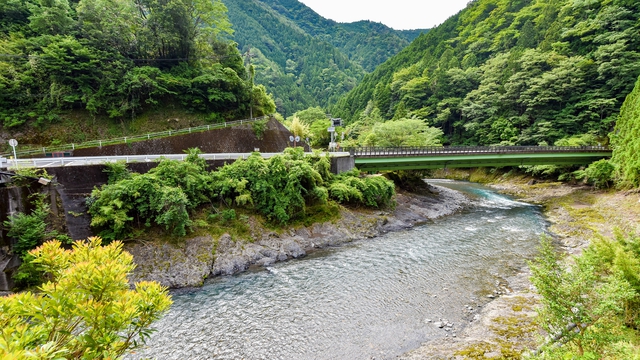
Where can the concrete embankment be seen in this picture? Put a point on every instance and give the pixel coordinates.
(189, 263)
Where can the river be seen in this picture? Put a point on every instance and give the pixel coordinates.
(375, 298)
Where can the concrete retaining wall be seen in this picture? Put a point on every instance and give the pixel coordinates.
(237, 139)
(342, 164)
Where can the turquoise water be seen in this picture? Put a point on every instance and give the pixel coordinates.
(369, 299)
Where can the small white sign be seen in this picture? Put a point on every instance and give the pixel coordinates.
(13, 142)
(331, 129)
(297, 138)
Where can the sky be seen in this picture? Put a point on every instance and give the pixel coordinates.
(397, 14)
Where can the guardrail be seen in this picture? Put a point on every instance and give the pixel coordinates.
(129, 139)
(448, 150)
(95, 160)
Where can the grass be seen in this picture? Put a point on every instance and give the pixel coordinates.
(78, 126)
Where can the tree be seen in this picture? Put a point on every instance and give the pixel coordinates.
(581, 302)
(405, 132)
(311, 115)
(298, 128)
(50, 17)
(85, 311)
(626, 142)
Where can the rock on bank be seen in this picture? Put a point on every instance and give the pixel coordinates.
(195, 259)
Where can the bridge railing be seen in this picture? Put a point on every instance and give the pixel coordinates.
(94, 160)
(127, 139)
(448, 150)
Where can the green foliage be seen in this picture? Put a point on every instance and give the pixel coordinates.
(279, 188)
(372, 191)
(163, 196)
(315, 124)
(27, 175)
(304, 59)
(511, 72)
(403, 132)
(86, 309)
(31, 229)
(318, 134)
(583, 303)
(228, 215)
(28, 274)
(60, 55)
(621, 255)
(599, 173)
(563, 173)
(625, 141)
(310, 115)
(116, 171)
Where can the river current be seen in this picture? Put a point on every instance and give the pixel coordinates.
(375, 298)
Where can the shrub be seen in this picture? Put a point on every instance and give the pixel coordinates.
(116, 171)
(600, 173)
(583, 303)
(85, 311)
(259, 127)
(279, 188)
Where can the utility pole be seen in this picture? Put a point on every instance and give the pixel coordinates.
(251, 74)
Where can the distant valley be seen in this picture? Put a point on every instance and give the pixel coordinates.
(304, 59)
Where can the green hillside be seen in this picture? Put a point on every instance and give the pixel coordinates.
(367, 43)
(511, 72)
(625, 141)
(304, 59)
(60, 55)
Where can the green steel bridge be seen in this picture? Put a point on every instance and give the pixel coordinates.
(416, 158)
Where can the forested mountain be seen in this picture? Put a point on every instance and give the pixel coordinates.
(511, 72)
(365, 42)
(304, 59)
(118, 57)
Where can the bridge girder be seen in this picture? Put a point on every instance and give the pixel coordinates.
(474, 161)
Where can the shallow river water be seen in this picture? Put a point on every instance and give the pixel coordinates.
(369, 299)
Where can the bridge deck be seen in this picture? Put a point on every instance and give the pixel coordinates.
(376, 159)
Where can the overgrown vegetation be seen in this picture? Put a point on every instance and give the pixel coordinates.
(280, 189)
(64, 54)
(85, 310)
(511, 72)
(259, 127)
(625, 141)
(31, 229)
(590, 305)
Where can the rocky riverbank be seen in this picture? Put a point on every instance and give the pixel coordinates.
(192, 261)
(505, 327)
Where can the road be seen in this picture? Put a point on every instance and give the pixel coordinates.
(95, 160)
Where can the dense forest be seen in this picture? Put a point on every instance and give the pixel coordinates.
(510, 72)
(367, 43)
(73, 54)
(304, 59)
(625, 140)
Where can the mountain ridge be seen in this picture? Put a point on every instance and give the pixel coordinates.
(511, 72)
(304, 59)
